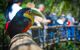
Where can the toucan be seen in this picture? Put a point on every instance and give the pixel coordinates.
(22, 21)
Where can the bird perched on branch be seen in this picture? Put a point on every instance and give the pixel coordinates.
(22, 21)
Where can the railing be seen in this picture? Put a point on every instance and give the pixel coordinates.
(57, 37)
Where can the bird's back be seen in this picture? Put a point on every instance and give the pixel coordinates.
(19, 23)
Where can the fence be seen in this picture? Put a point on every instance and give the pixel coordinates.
(57, 37)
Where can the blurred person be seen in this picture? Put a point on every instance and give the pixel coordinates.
(62, 21)
(41, 7)
(12, 10)
(64, 31)
(15, 8)
(71, 19)
(52, 17)
(78, 31)
(39, 21)
(71, 29)
(30, 5)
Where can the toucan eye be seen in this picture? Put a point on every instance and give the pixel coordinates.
(28, 12)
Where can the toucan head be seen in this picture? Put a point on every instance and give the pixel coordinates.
(33, 12)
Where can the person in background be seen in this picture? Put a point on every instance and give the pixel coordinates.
(71, 29)
(30, 5)
(61, 19)
(77, 31)
(64, 34)
(38, 19)
(53, 18)
(40, 22)
(15, 8)
(12, 10)
(51, 31)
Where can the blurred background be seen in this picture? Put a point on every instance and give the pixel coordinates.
(59, 8)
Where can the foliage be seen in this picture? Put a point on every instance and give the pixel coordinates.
(59, 6)
(3, 5)
(2, 21)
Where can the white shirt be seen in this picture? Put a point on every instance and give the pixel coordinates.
(60, 21)
(15, 9)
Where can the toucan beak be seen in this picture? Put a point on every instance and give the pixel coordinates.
(36, 12)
